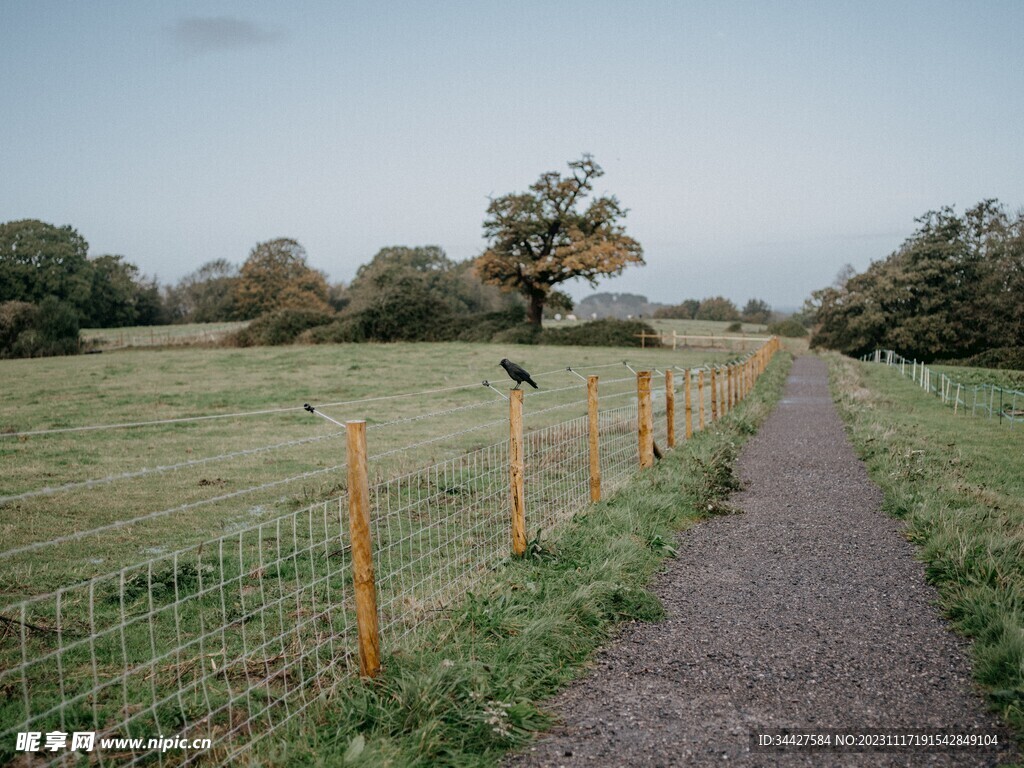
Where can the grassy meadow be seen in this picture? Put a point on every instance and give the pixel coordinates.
(958, 484)
(103, 476)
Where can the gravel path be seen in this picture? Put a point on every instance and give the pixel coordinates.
(806, 613)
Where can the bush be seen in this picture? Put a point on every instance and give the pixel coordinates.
(524, 333)
(602, 333)
(1001, 358)
(734, 328)
(790, 328)
(30, 330)
(282, 326)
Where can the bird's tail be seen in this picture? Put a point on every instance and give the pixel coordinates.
(532, 383)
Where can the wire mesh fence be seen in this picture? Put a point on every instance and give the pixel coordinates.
(989, 400)
(230, 638)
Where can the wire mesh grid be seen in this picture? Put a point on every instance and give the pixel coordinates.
(620, 451)
(436, 532)
(228, 640)
(557, 476)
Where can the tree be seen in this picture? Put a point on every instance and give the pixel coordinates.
(206, 295)
(276, 276)
(952, 290)
(39, 260)
(415, 293)
(717, 308)
(114, 288)
(540, 239)
(686, 310)
(756, 311)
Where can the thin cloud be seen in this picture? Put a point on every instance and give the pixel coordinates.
(199, 35)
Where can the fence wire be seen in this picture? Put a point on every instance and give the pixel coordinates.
(988, 400)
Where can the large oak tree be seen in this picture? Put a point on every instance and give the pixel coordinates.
(541, 238)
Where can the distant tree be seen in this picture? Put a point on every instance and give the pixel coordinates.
(540, 239)
(113, 294)
(687, 310)
(756, 311)
(276, 276)
(951, 290)
(717, 308)
(39, 260)
(206, 295)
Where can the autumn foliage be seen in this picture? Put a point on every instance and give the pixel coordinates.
(541, 238)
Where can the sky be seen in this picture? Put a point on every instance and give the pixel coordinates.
(759, 146)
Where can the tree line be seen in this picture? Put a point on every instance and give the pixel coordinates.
(954, 290)
(537, 240)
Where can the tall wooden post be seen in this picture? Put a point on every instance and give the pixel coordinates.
(517, 471)
(594, 435)
(714, 395)
(689, 404)
(729, 379)
(362, 553)
(700, 398)
(645, 419)
(670, 407)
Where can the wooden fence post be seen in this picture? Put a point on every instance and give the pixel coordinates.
(594, 430)
(714, 395)
(689, 404)
(670, 407)
(362, 553)
(700, 398)
(730, 381)
(517, 471)
(645, 419)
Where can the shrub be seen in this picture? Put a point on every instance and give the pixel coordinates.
(524, 333)
(30, 330)
(1002, 358)
(734, 328)
(282, 326)
(602, 333)
(790, 328)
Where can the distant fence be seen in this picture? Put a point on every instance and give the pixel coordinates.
(230, 639)
(989, 400)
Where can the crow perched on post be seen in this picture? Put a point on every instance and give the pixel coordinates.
(517, 374)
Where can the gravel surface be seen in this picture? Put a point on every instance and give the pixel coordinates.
(806, 613)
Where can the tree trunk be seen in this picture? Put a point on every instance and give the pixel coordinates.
(535, 314)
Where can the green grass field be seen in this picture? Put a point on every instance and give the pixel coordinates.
(958, 484)
(153, 385)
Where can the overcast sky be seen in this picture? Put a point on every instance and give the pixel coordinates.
(758, 145)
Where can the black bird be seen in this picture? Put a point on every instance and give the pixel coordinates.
(517, 374)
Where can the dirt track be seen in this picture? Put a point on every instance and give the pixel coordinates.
(806, 613)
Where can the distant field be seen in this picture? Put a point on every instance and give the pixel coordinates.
(112, 470)
(157, 335)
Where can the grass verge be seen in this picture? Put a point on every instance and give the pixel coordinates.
(467, 688)
(957, 483)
